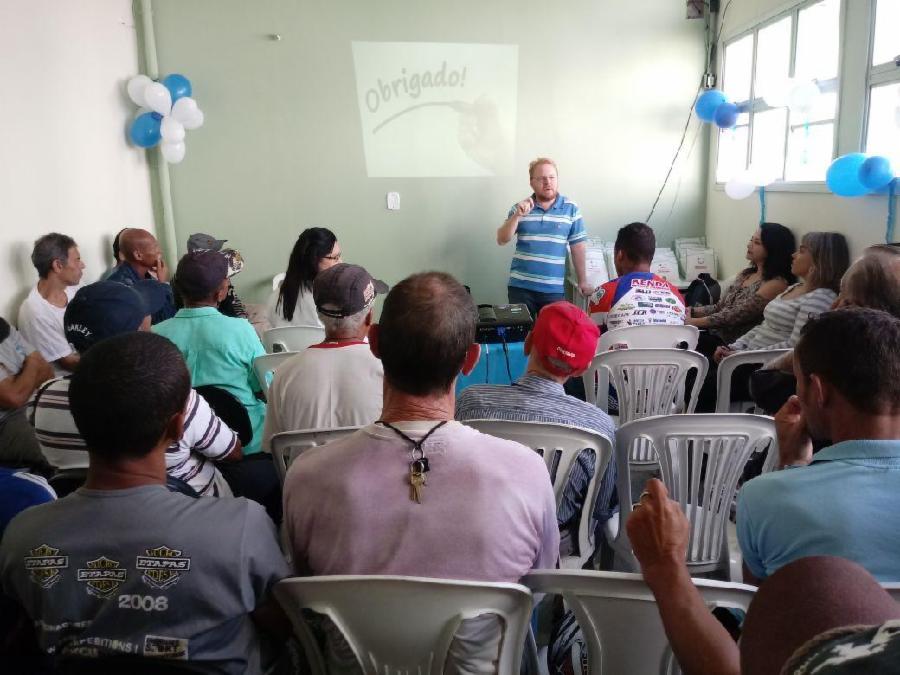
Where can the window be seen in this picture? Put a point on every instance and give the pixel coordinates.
(803, 44)
(883, 134)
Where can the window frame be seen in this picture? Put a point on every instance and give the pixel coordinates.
(876, 74)
(758, 105)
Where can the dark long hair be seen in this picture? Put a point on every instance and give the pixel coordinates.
(780, 245)
(312, 245)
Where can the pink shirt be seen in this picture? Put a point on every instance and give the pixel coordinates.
(487, 514)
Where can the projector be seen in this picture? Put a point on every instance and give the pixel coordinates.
(502, 323)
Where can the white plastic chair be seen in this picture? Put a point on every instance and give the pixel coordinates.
(647, 381)
(726, 370)
(893, 589)
(267, 363)
(649, 337)
(277, 279)
(560, 445)
(404, 624)
(701, 458)
(288, 444)
(292, 338)
(620, 619)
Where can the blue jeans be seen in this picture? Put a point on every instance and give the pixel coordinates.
(534, 300)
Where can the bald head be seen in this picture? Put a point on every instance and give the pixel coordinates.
(427, 326)
(140, 249)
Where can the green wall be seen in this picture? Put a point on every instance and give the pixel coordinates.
(603, 87)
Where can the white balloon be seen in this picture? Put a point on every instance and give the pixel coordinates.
(803, 97)
(195, 121)
(184, 108)
(737, 188)
(136, 86)
(171, 130)
(758, 175)
(173, 152)
(158, 98)
(777, 94)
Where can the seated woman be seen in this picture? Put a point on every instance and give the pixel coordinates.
(741, 308)
(872, 281)
(292, 304)
(819, 263)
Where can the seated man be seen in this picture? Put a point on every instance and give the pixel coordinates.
(562, 344)
(164, 575)
(22, 370)
(232, 305)
(841, 501)
(218, 349)
(814, 615)
(142, 259)
(638, 297)
(338, 382)
(58, 264)
(417, 493)
(102, 310)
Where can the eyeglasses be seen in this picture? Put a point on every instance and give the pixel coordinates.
(336, 258)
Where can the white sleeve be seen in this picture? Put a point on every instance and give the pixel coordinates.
(43, 331)
(204, 432)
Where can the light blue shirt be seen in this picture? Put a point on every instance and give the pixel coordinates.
(539, 263)
(844, 504)
(219, 350)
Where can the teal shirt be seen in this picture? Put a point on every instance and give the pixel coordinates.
(219, 350)
(843, 504)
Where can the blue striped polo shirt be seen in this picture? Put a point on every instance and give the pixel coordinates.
(539, 263)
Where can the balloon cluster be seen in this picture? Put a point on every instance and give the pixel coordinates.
(167, 109)
(714, 106)
(745, 183)
(855, 175)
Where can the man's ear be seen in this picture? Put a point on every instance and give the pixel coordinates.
(472, 355)
(370, 317)
(373, 340)
(175, 427)
(820, 391)
(222, 293)
(526, 348)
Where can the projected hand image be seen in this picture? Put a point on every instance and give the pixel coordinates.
(480, 133)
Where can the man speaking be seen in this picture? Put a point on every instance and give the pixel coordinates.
(544, 224)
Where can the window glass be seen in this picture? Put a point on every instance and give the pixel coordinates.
(887, 32)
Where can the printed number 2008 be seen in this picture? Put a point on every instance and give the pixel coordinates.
(146, 603)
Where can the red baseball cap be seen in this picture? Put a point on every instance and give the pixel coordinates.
(565, 338)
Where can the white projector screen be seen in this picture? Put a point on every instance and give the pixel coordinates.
(437, 109)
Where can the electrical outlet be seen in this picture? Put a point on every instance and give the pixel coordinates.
(393, 201)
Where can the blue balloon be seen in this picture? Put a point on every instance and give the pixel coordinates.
(876, 172)
(145, 130)
(843, 176)
(707, 104)
(178, 85)
(726, 115)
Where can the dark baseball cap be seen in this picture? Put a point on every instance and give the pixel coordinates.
(108, 308)
(199, 273)
(200, 242)
(344, 289)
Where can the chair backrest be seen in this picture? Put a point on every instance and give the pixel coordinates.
(405, 624)
(560, 445)
(229, 410)
(620, 619)
(292, 338)
(267, 363)
(649, 337)
(277, 279)
(727, 367)
(701, 458)
(287, 445)
(893, 589)
(647, 381)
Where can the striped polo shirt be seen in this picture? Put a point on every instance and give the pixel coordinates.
(539, 263)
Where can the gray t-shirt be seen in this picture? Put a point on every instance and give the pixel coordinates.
(13, 350)
(144, 571)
